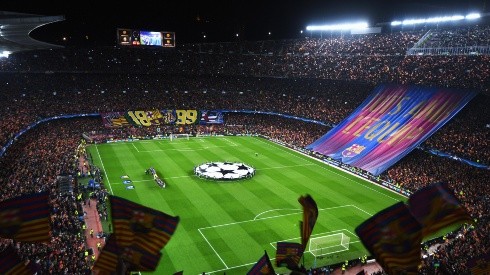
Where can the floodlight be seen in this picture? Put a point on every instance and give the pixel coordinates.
(439, 19)
(5, 54)
(473, 16)
(338, 27)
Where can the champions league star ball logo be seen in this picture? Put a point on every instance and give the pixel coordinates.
(353, 151)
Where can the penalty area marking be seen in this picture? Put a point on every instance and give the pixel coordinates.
(200, 230)
(217, 254)
(135, 147)
(321, 209)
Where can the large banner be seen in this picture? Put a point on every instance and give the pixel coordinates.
(151, 118)
(114, 119)
(211, 117)
(389, 124)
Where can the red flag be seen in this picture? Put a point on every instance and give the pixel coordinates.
(135, 257)
(262, 267)
(436, 207)
(136, 224)
(289, 254)
(107, 262)
(12, 264)
(480, 265)
(26, 218)
(393, 236)
(310, 215)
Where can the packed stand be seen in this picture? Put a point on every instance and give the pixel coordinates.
(327, 101)
(464, 36)
(32, 165)
(237, 77)
(420, 169)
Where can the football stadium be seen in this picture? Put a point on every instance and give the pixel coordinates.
(353, 148)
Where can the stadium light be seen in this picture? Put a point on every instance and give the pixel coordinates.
(436, 19)
(338, 27)
(472, 16)
(5, 54)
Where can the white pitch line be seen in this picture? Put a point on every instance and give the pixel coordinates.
(234, 144)
(187, 149)
(362, 210)
(103, 168)
(177, 177)
(233, 267)
(212, 248)
(317, 234)
(274, 247)
(132, 143)
(268, 168)
(141, 180)
(287, 166)
(233, 223)
(295, 209)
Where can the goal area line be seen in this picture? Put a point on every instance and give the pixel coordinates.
(298, 239)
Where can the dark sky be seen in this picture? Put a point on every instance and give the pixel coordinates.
(219, 20)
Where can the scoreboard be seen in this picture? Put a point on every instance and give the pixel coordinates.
(132, 37)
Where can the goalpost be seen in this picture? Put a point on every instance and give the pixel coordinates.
(179, 136)
(329, 244)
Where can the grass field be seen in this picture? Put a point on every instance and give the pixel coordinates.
(226, 226)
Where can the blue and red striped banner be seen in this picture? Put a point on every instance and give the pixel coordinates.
(389, 124)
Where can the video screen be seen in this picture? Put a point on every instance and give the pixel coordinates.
(130, 37)
(151, 38)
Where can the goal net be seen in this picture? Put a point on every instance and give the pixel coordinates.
(179, 136)
(329, 244)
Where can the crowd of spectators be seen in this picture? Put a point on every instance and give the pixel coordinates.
(32, 164)
(326, 101)
(413, 172)
(322, 80)
(420, 169)
(360, 45)
(464, 36)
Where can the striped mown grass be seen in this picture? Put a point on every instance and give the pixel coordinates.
(226, 226)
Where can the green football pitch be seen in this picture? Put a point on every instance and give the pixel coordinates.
(225, 226)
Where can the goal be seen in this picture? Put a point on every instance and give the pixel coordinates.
(179, 136)
(329, 244)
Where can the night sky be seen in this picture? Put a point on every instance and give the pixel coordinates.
(91, 23)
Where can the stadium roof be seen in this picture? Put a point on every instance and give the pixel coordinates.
(15, 29)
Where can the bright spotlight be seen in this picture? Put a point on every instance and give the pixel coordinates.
(472, 16)
(439, 19)
(5, 54)
(338, 27)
